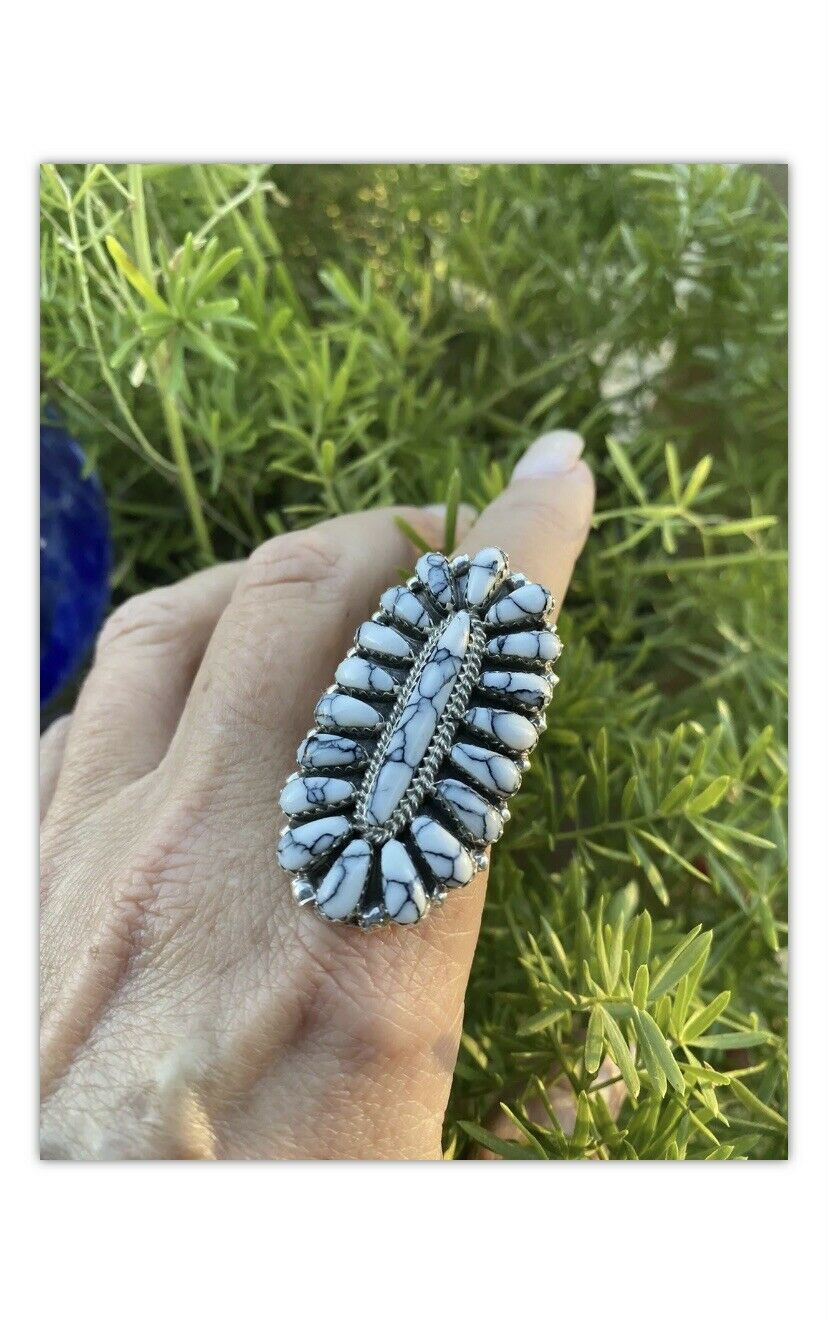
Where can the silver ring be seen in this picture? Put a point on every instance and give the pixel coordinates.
(423, 736)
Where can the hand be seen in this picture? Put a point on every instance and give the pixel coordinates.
(190, 1009)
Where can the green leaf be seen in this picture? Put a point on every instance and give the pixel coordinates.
(207, 345)
(677, 795)
(697, 479)
(452, 495)
(411, 533)
(594, 1040)
(757, 1106)
(138, 281)
(711, 796)
(582, 1122)
(650, 871)
(660, 1062)
(327, 459)
(642, 939)
(679, 962)
(540, 1022)
(620, 1052)
(216, 272)
(673, 471)
(741, 526)
(615, 952)
(500, 1147)
(659, 843)
(218, 310)
(627, 801)
(531, 1138)
(624, 467)
(732, 1040)
(696, 1025)
(640, 990)
(127, 347)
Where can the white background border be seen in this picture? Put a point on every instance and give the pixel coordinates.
(639, 81)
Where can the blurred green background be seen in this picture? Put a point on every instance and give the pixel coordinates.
(245, 349)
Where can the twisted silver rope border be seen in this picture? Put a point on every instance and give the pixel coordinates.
(423, 780)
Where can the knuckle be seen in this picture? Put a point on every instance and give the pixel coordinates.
(55, 735)
(298, 565)
(154, 618)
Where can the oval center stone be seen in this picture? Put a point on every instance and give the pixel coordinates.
(401, 754)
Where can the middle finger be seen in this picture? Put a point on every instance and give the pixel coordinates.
(292, 616)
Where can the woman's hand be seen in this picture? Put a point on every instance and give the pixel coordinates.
(190, 1009)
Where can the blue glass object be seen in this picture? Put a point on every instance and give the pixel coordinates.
(75, 558)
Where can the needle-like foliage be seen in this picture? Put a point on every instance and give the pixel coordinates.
(247, 349)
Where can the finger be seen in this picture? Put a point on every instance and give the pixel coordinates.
(408, 985)
(52, 745)
(542, 519)
(295, 609)
(145, 661)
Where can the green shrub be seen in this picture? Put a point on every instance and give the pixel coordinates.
(246, 349)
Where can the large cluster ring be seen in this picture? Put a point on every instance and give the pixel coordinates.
(420, 741)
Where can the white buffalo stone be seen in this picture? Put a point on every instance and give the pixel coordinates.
(485, 573)
(340, 711)
(311, 792)
(513, 731)
(382, 640)
(526, 689)
(402, 889)
(323, 751)
(489, 770)
(417, 721)
(341, 889)
(482, 822)
(449, 860)
(527, 604)
(406, 607)
(305, 844)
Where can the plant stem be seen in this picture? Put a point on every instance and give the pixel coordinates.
(160, 368)
(103, 365)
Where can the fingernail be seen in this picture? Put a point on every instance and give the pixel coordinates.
(554, 453)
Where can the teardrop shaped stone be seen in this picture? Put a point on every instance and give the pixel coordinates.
(302, 845)
(491, 771)
(321, 751)
(485, 573)
(340, 711)
(405, 606)
(434, 572)
(543, 645)
(530, 690)
(449, 860)
(404, 894)
(341, 888)
(475, 814)
(311, 793)
(529, 603)
(382, 640)
(365, 676)
(514, 731)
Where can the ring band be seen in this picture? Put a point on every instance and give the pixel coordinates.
(425, 733)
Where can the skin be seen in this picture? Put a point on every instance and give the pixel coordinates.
(190, 1010)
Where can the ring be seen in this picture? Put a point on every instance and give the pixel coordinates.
(419, 742)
